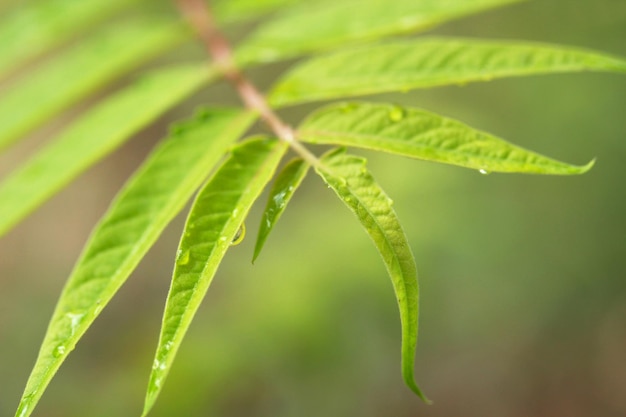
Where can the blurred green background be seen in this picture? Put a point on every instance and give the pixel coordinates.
(523, 282)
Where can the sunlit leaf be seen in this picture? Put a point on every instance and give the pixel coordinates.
(285, 185)
(423, 135)
(78, 71)
(321, 25)
(142, 209)
(32, 27)
(217, 213)
(429, 62)
(348, 177)
(93, 136)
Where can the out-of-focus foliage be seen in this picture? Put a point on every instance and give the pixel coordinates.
(521, 277)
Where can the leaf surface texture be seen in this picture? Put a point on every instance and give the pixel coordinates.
(285, 185)
(349, 178)
(423, 135)
(429, 62)
(215, 217)
(140, 212)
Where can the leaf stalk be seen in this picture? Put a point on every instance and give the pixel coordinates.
(198, 14)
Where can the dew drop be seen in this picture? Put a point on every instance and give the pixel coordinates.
(182, 257)
(239, 236)
(158, 365)
(279, 199)
(396, 114)
(483, 171)
(59, 351)
(75, 319)
(168, 345)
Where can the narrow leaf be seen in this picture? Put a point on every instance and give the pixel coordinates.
(419, 134)
(32, 27)
(430, 62)
(95, 135)
(348, 177)
(283, 189)
(142, 209)
(72, 75)
(240, 10)
(217, 213)
(322, 25)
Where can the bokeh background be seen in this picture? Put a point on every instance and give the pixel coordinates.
(523, 278)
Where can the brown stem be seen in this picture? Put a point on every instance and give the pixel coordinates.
(198, 14)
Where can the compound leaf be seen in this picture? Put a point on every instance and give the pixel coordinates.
(333, 23)
(215, 217)
(429, 62)
(140, 212)
(348, 177)
(93, 136)
(73, 74)
(285, 185)
(423, 135)
(31, 28)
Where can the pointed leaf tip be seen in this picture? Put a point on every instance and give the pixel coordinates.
(283, 189)
(217, 213)
(142, 209)
(416, 133)
(348, 177)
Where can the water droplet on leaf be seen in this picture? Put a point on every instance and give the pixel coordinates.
(396, 114)
(75, 319)
(279, 199)
(58, 351)
(483, 171)
(183, 257)
(239, 236)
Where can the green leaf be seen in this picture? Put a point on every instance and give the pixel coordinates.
(423, 135)
(285, 185)
(95, 135)
(140, 212)
(215, 217)
(240, 10)
(32, 27)
(429, 62)
(322, 25)
(75, 73)
(348, 177)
